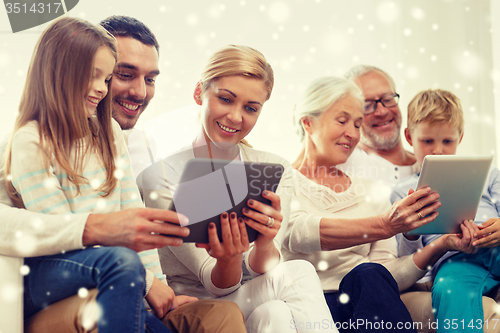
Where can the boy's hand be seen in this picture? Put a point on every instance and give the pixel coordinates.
(488, 234)
(462, 242)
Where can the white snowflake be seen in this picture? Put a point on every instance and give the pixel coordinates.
(9, 292)
(153, 195)
(468, 63)
(322, 265)
(387, 12)
(5, 60)
(90, 315)
(83, 292)
(343, 298)
(216, 10)
(279, 12)
(37, 223)
(50, 182)
(95, 183)
(412, 73)
(24, 270)
(25, 244)
(418, 14)
(192, 19)
(118, 174)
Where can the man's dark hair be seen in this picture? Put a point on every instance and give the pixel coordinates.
(126, 26)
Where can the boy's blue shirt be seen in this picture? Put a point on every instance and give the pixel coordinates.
(489, 207)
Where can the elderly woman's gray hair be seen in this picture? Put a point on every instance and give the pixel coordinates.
(319, 96)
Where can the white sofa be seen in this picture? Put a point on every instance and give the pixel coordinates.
(11, 295)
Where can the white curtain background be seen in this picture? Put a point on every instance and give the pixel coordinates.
(450, 44)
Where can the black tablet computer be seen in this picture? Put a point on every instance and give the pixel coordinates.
(209, 187)
(460, 181)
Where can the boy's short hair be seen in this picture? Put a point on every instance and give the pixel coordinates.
(436, 106)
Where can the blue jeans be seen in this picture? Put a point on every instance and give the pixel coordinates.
(116, 272)
(459, 286)
(372, 303)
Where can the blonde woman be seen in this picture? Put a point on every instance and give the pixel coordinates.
(274, 296)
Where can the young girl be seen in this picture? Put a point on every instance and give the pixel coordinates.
(67, 156)
(274, 296)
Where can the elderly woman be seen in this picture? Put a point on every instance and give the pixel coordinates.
(343, 224)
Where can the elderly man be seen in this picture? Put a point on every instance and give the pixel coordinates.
(133, 86)
(380, 153)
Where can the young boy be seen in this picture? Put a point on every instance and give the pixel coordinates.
(435, 126)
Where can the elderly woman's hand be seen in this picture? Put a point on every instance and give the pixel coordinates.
(417, 209)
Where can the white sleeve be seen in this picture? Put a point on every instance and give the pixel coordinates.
(303, 234)
(407, 246)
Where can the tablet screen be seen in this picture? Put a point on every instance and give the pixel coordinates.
(460, 181)
(209, 187)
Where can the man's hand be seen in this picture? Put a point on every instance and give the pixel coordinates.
(138, 229)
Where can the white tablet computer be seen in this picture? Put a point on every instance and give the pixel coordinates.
(460, 181)
(210, 187)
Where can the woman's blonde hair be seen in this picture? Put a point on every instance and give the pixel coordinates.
(58, 80)
(319, 96)
(237, 60)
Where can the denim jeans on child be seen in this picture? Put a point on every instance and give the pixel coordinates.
(116, 272)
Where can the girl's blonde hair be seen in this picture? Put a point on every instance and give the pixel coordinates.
(57, 82)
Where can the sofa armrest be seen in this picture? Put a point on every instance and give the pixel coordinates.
(11, 295)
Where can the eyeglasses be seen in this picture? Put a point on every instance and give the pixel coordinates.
(387, 101)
